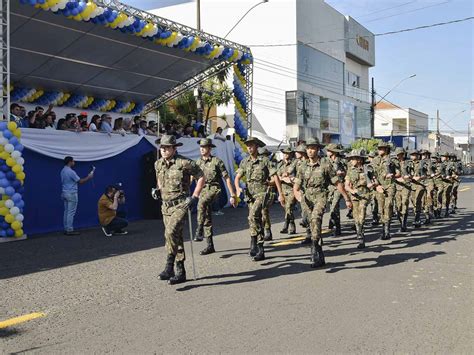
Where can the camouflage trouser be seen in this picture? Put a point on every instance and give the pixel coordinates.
(454, 198)
(290, 202)
(267, 223)
(174, 218)
(402, 200)
(204, 208)
(374, 205)
(438, 195)
(255, 217)
(417, 198)
(446, 196)
(429, 197)
(385, 204)
(359, 210)
(316, 207)
(334, 209)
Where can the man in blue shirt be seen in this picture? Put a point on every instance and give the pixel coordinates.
(69, 181)
(106, 125)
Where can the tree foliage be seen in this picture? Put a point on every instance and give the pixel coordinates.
(370, 145)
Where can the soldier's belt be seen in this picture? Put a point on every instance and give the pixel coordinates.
(174, 202)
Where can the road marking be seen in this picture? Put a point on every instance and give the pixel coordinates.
(464, 189)
(296, 239)
(20, 319)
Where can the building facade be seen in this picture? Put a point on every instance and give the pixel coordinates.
(316, 84)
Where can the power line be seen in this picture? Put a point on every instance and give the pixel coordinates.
(374, 35)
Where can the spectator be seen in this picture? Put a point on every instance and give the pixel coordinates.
(197, 125)
(49, 121)
(61, 126)
(22, 112)
(72, 123)
(84, 127)
(127, 125)
(118, 126)
(95, 123)
(142, 129)
(70, 181)
(34, 120)
(201, 133)
(82, 117)
(218, 135)
(106, 125)
(152, 127)
(188, 131)
(16, 115)
(107, 209)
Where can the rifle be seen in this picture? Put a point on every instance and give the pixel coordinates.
(406, 186)
(248, 198)
(266, 197)
(359, 197)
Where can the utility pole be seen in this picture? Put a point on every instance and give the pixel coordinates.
(372, 110)
(438, 136)
(199, 101)
(469, 157)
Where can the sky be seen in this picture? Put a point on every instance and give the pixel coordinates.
(441, 57)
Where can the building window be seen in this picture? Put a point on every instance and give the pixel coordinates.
(353, 80)
(362, 119)
(291, 109)
(329, 112)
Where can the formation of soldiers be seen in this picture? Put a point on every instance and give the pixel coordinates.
(387, 181)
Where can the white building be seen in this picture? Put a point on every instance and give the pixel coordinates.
(315, 85)
(391, 120)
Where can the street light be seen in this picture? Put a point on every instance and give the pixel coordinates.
(253, 7)
(401, 81)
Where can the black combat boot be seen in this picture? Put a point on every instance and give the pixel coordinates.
(360, 237)
(180, 276)
(375, 220)
(268, 235)
(304, 223)
(337, 229)
(168, 272)
(292, 228)
(198, 235)
(446, 213)
(427, 218)
(307, 239)
(331, 223)
(404, 222)
(260, 253)
(284, 230)
(210, 247)
(417, 222)
(317, 255)
(253, 246)
(437, 213)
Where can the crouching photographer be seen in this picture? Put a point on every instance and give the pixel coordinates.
(109, 203)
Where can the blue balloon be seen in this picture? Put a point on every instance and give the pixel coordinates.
(10, 232)
(5, 225)
(19, 147)
(13, 140)
(10, 175)
(16, 197)
(21, 190)
(32, 2)
(2, 175)
(7, 134)
(9, 191)
(20, 205)
(3, 233)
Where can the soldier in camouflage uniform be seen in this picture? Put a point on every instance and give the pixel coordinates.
(403, 188)
(417, 173)
(438, 183)
(384, 174)
(373, 195)
(447, 171)
(286, 169)
(429, 184)
(258, 171)
(358, 182)
(333, 152)
(315, 178)
(214, 171)
(267, 223)
(457, 167)
(173, 180)
(300, 162)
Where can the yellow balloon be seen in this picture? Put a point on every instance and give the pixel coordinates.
(9, 218)
(2, 148)
(12, 126)
(16, 225)
(11, 162)
(4, 155)
(78, 17)
(20, 176)
(19, 233)
(17, 133)
(5, 197)
(2, 204)
(16, 168)
(3, 210)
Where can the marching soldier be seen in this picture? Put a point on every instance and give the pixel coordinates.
(214, 170)
(258, 171)
(286, 169)
(373, 195)
(403, 188)
(439, 185)
(358, 183)
(446, 170)
(429, 185)
(457, 167)
(333, 152)
(315, 178)
(384, 181)
(173, 179)
(417, 175)
(300, 163)
(267, 223)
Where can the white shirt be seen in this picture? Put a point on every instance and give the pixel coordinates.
(93, 127)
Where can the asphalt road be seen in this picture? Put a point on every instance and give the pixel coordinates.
(412, 294)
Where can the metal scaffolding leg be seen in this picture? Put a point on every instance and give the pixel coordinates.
(249, 95)
(5, 55)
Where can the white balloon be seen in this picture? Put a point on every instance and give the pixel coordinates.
(9, 204)
(14, 211)
(3, 141)
(16, 154)
(20, 161)
(2, 191)
(1, 134)
(19, 217)
(9, 148)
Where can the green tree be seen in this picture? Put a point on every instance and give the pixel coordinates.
(216, 93)
(184, 107)
(370, 145)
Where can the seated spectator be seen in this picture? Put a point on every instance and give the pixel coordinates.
(218, 135)
(152, 127)
(61, 126)
(118, 126)
(15, 115)
(23, 112)
(82, 118)
(107, 209)
(187, 131)
(72, 123)
(84, 126)
(127, 125)
(34, 119)
(49, 121)
(142, 129)
(201, 133)
(106, 125)
(95, 123)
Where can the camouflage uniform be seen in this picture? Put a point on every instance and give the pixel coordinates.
(300, 165)
(373, 195)
(288, 169)
(315, 180)
(359, 178)
(382, 166)
(334, 195)
(438, 184)
(446, 170)
(267, 223)
(403, 190)
(174, 180)
(416, 169)
(457, 167)
(258, 172)
(429, 185)
(214, 171)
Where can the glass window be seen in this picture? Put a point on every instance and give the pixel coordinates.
(329, 111)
